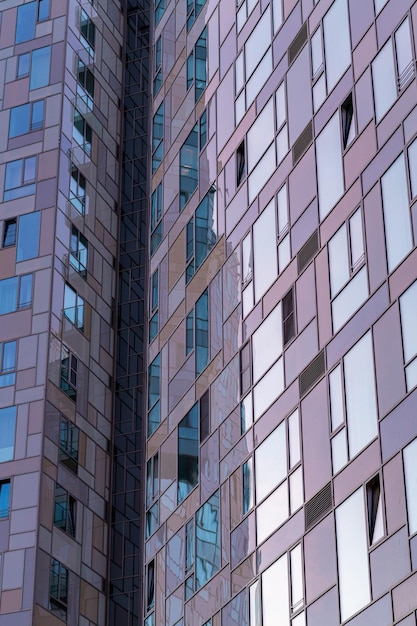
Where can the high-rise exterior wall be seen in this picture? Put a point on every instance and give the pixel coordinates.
(281, 431)
(60, 91)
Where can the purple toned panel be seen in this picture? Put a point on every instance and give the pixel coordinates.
(243, 540)
(302, 185)
(227, 53)
(375, 239)
(324, 612)
(399, 427)
(305, 226)
(209, 467)
(382, 161)
(287, 535)
(378, 613)
(391, 15)
(215, 316)
(225, 109)
(364, 100)
(231, 284)
(357, 472)
(306, 307)
(302, 350)
(225, 393)
(413, 548)
(175, 557)
(287, 33)
(316, 444)
(395, 506)
(320, 558)
(236, 612)
(390, 563)
(298, 81)
(180, 384)
(389, 361)
(405, 597)
(361, 17)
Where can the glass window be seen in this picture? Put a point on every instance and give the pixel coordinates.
(410, 471)
(200, 56)
(150, 585)
(74, 307)
(85, 86)
(271, 462)
(201, 333)
(69, 438)
(77, 189)
(247, 483)
(207, 540)
(336, 42)
(188, 449)
(64, 510)
(267, 343)
(69, 368)
(265, 265)
(15, 293)
(379, 4)
(398, 233)
(153, 321)
(159, 9)
(375, 515)
(9, 233)
(193, 9)
(4, 498)
(28, 236)
(404, 54)
(82, 132)
(156, 218)
(26, 118)
(20, 178)
(383, 80)
(260, 134)
(275, 606)
(7, 363)
(40, 67)
(88, 32)
(154, 391)
(352, 555)
(26, 22)
(7, 433)
(329, 166)
(201, 233)
(203, 129)
(43, 10)
(58, 589)
(189, 167)
(408, 308)
(158, 137)
(157, 80)
(152, 492)
(78, 251)
(23, 65)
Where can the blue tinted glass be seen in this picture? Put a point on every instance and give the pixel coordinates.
(7, 429)
(201, 333)
(25, 295)
(13, 174)
(8, 295)
(4, 499)
(23, 65)
(205, 228)
(28, 236)
(41, 63)
(189, 167)
(188, 445)
(207, 558)
(37, 115)
(9, 356)
(43, 10)
(26, 22)
(19, 120)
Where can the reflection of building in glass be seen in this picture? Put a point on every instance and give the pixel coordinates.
(208, 296)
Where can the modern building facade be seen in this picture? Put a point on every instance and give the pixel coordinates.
(208, 312)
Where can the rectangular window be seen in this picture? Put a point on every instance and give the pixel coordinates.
(74, 307)
(20, 178)
(348, 278)
(247, 283)
(150, 586)
(375, 514)
(207, 540)
(189, 333)
(4, 498)
(43, 10)
(157, 138)
(58, 589)
(69, 438)
(82, 132)
(188, 451)
(410, 471)
(69, 367)
(200, 56)
(189, 167)
(352, 555)
(240, 163)
(354, 418)
(154, 394)
(85, 86)
(152, 492)
(28, 236)
(77, 189)
(15, 293)
(201, 233)
(281, 122)
(7, 363)
(247, 485)
(78, 251)
(26, 118)
(64, 510)
(157, 80)
(154, 317)
(88, 33)
(9, 233)
(40, 67)
(408, 308)
(330, 178)
(265, 264)
(7, 433)
(160, 6)
(398, 230)
(288, 317)
(245, 9)
(23, 65)
(26, 22)
(156, 218)
(201, 333)
(283, 227)
(193, 9)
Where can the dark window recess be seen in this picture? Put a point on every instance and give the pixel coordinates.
(288, 317)
(204, 416)
(302, 143)
(150, 586)
(347, 119)
(297, 43)
(318, 506)
(245, 370)
(188, 448)
(373, 497)
(240, 163)
(9, 234)
(307, 252)
(312, 373)
(69, 436)
(64, 510)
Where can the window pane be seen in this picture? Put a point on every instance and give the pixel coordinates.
(28, 236)
(268, 388)
(408, 307)
(383, 78)
(410, 471)
(336, 42)
(188, 448)
(257, 43)
(19, 120)
(329, 166)
(260, 134)
(272, 513)
(271, 462)
(26, 22)
(336, 397)
(294, 439)
(25, 295)
(356, 239)
(207, 540)
(352, 555)
(201, 333)
(316, 52)
(41, 62)
(339, 451)
(7, 431)
(8, 295)
(396, 213)
(265, 251)
(274, 604)
(338, 261)
(189, 167)
(412, 161)
(404, 52)
(267, 343)
(349, 300)
(360, 395)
